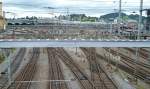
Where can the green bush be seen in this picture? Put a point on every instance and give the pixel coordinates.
(2, 58)
(13, 49)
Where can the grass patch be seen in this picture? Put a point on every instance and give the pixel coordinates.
(139, 86)
(2, 58)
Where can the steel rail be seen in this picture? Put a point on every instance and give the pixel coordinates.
(55, 71)
(99, 69)
(27, 73)
(85, 83)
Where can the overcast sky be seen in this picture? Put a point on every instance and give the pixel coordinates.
(90, 7)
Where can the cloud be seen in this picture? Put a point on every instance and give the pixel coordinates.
(90, 7)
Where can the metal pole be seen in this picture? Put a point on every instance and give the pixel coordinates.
(119, 21)
(136, 60)
(15, 28)
(140, 19)
(9, 71)
(67, 14)
(67, 18)
(76, 50)
(120, 5)
(139, 31)
(111, 30)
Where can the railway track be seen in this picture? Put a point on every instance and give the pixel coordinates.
(98, 74)
(55, 71)
(125, 68)
(14, 66)
(83, 79)
(142, 53)
(140, 65)
(17, 61)
(3, 81)
(22, 81)
(142, 72)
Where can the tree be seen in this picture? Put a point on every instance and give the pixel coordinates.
(125, 18)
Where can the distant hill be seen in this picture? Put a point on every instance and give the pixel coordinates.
(109, 16)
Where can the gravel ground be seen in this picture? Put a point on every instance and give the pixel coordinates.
(42, 71)
(80, 59)
(68, 75)
(23, 63)
(122, 83)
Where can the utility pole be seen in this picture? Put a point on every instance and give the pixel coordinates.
(68, 16)
(120, 7)
(9, 71)
(119, 20)
(140, 19)
(67, 20)
(138, 37)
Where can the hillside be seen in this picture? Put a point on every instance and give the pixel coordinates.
(125, 17)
